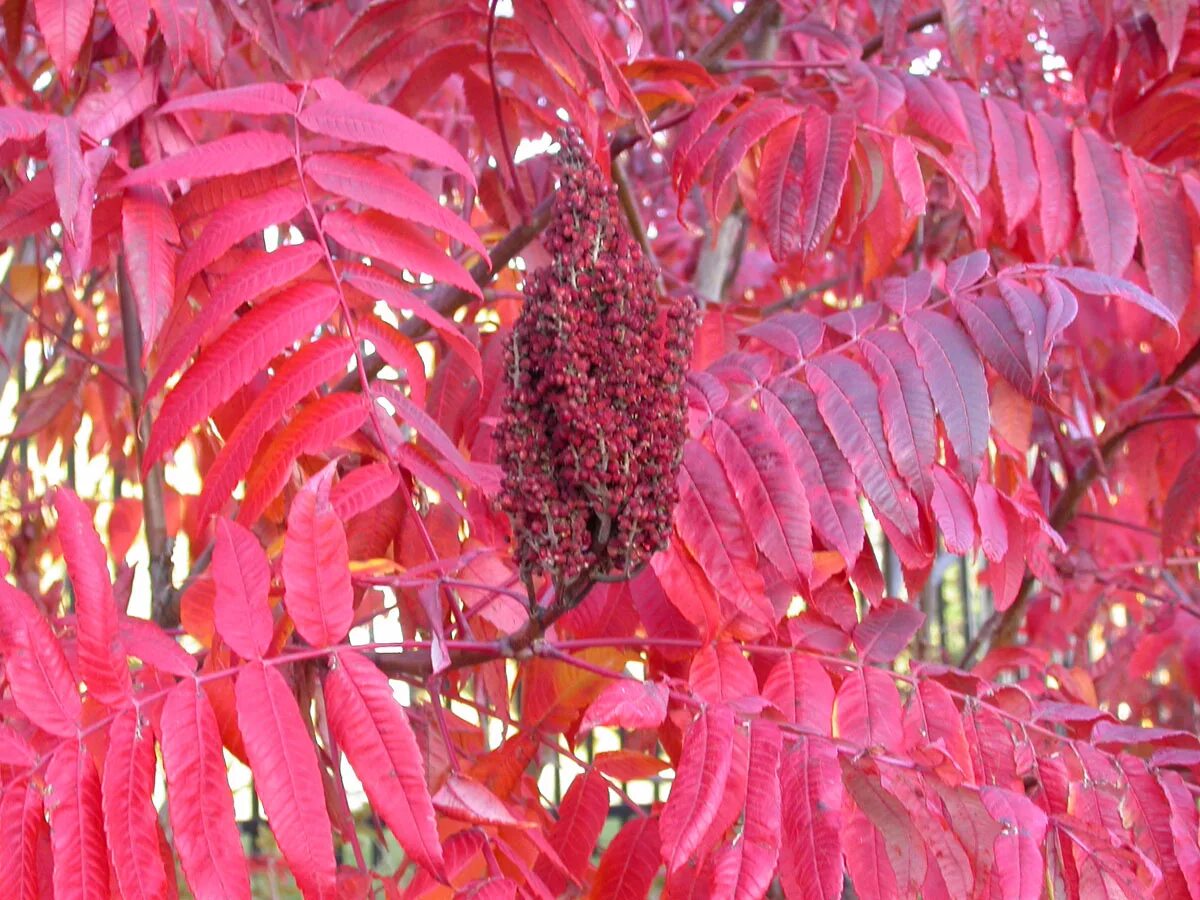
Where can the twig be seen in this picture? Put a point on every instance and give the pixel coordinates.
(164, 601)
(916, 23)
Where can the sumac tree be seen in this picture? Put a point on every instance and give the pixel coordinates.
(399, 393)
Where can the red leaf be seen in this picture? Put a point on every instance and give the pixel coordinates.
(1052, 156)
(720, 672)
(382, 237)
(998, 338)
(709, 524)
(316, 568)
(250, 281)
(909, 181)
(628, 703)
(201, 805)
(811, 853)
(428, 428)
(1105, 203)
(799, 687)
(235, 357)
(76, 825)
(385, 188)
(42, 684)
(957, 384)
(363, 489)
(1170, 21)
(952, 508)
(1166, 235)
(242, 577)
(906, 407)
(315, 428)
(149, 643)
(66, 165)
(904, 848)
(351, 118)
(581, 816)
(300, 375)
(886, 630)
(286, 776)
(867, 710)
(1180, 506)
(1015, 169)
(1020, 870)
(232, 154)
(130, 819)
(743, 131)
(235, 222)
(373, 731)
(767, 488)
(21, 828)
(265, 98)
(102, 662)
(828, 481)
(65, 25)
(1105, 285)
(781, 188)
(828, 143)
(849, 404)
(699, 785)
(630, 862)
(399, 298)
(148, 232)
(131, 19)
(467, 800)
(744, 871)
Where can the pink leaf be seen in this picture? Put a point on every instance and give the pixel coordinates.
(301, 374)
(1019, 868)
(235, 222)
(906, 407)
(781, 187)
(628, 703)
(315, 428)
(581, 816)
(1165, 232)
(1015, 170)
(956, 382)
(131, 19)
(43, 686)
(102, 661)
(286, 776)
(1105, 203)
(201, 805)
(744, 871)
(828, 143)
(811, 790)
(351, 118)
(316, 568)
(952, 508)
(76, 825)
(867, 710)
(387, 189)
(64, 25)
(266, 98)
(1052, 156)
(263, 273)
(130, 819)
(721, 673)
(149, 234)
(22, 828)
(66, 164)
(698, 787)
(767, 488)
(886, 631)
(1106, 285)
(799, 687)
(242, 578)
(630, 862)
(232, 154)
(373, 731)
(828, 481)
(390, 240)
(467, 800)
(362, 489)
(849, 404)
(235, 357)
(708, 521)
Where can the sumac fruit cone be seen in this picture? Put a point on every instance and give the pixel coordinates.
(594, 423)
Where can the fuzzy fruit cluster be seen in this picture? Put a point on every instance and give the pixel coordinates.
(594, 423)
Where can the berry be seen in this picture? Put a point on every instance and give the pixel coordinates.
(594, 422)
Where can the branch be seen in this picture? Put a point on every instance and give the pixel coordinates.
(916, 23)
(1006, 625)
(163, 598)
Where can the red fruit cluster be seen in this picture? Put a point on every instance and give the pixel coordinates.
(594, 423)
